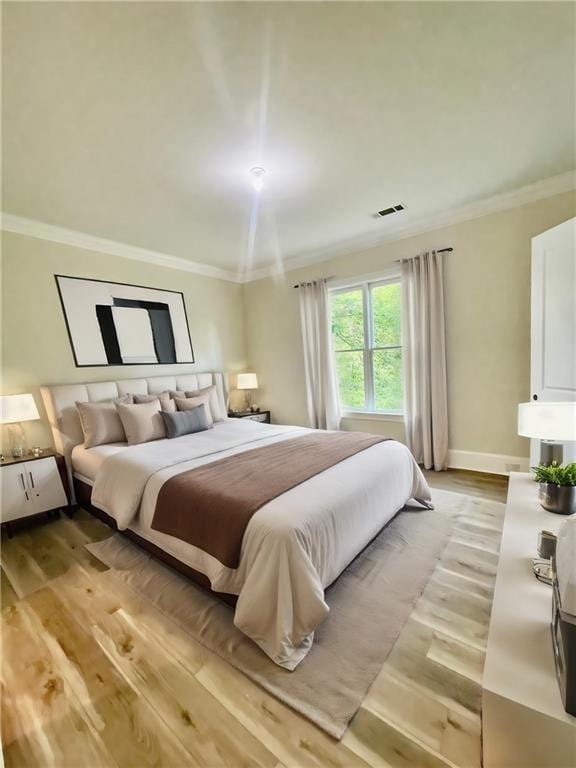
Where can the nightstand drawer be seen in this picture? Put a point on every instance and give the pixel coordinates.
(15, 497)
(30, 487)
(257, 417)
(261, 416)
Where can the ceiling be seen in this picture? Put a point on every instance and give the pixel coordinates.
(139, 122)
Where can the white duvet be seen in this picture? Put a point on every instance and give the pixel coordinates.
(294, 546)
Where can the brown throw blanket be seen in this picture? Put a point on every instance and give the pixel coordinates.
(210, 506)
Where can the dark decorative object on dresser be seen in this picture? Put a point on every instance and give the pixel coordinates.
(564, 613)
(263, 416)
(557, 487)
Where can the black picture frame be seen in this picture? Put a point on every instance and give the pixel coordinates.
(130, 285)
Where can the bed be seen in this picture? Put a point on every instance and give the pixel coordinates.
(293, 547)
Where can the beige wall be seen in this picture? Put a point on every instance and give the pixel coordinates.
(487, 312)
(36, 349)
(487, 319)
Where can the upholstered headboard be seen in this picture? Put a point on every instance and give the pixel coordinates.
(60, 400)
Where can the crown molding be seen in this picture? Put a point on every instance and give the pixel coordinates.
(555, 185)
(38, 229)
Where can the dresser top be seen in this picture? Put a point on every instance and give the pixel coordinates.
(46, 452)
(519, 656)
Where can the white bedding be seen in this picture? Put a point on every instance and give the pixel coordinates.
(87, 461)
(294, 546)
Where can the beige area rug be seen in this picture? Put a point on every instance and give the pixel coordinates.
(369, 604)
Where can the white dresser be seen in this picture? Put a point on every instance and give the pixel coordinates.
(30, 486)
(524, 724)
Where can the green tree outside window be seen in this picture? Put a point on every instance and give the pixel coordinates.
(367, 339)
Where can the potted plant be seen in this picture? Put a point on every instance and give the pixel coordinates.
(557, 487)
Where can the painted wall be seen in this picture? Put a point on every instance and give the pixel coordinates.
(487, 286)
(35, 345)
(257, 325)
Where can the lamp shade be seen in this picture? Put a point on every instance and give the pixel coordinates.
(547, 421)
(247, 381)
(14, 408)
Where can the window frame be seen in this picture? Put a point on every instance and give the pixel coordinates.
(366, 285)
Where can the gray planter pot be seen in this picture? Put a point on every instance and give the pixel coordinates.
(560, 499)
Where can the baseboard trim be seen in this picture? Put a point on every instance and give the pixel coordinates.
(492, 463)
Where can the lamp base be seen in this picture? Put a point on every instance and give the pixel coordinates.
(17, 437)
(551, 453)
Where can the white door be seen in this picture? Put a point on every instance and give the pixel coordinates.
(553, 358)
(45, 485)
(16, 499)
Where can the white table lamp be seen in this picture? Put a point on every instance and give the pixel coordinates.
(14, 409)
(247, 382)
(552, 423)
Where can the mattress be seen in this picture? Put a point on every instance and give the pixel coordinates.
(87, 461)
(294, 546)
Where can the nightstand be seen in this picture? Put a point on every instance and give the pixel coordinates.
(262, 416)
(32, 485)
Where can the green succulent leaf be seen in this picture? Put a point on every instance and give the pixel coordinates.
(556, 474)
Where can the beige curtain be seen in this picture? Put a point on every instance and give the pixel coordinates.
(321, 391)
(424, 349)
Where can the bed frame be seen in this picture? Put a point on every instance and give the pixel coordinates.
(60, 402)
(83, 493)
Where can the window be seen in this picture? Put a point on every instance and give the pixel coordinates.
(367, 339)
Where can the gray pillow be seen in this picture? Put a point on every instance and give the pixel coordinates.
(186, 422)
(189, 403)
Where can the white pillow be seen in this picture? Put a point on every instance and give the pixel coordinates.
(142, 422)
(218, 412)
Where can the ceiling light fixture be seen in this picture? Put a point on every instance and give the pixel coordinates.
(257, 174)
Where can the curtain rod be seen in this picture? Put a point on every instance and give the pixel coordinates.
(396, 261)
(440, 250)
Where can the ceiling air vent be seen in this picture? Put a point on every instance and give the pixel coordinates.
(392, 209)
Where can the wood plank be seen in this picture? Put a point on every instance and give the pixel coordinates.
(291, 737)
(382, 744)
(394, 699)
(478, 565)
(71, 540)
(45, 723)
(468, 606)
(8, 594)
(188, 709)
(409, 659)
(461, 742)
(457, 656)
(109, 706)
(90, 526)
(21, 568)
(423, 709)
(156, 663)
(89, 596)
(462, 583)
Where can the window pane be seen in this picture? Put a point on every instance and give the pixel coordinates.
(386, 315)
(348, 320)
(387, 379)
(350, 371)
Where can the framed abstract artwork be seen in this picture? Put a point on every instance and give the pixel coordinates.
(121, 324)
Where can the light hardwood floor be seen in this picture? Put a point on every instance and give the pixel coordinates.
(93, 676)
